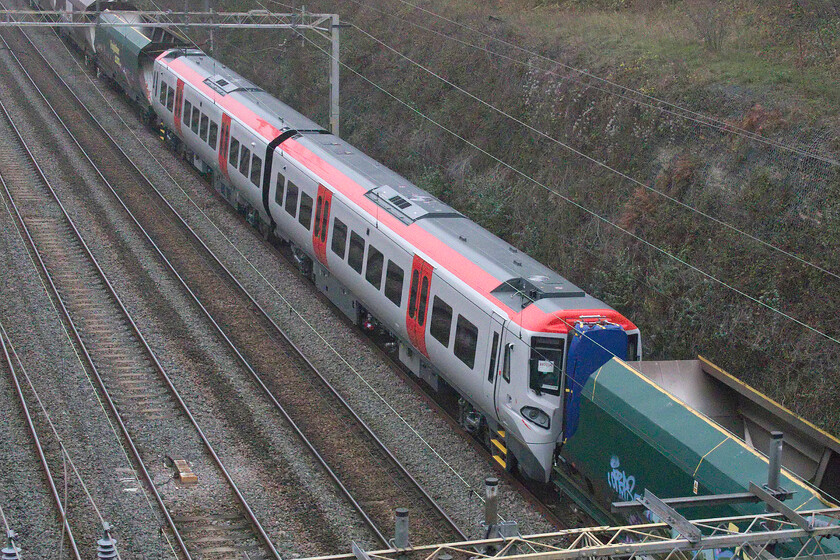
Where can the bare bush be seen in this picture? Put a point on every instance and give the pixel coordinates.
(712, 19)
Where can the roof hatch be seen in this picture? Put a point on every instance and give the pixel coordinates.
(396, 204)
(223, 86)
(526, 291)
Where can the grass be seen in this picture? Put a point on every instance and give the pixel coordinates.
(651, 46)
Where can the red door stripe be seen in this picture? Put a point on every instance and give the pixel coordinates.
(420, 285)
(223, 145)
(322, 224)
(179, 98)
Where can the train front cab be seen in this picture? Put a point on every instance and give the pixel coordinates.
(539, 409)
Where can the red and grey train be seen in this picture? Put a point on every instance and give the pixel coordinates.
(469, 311)
(511, 336)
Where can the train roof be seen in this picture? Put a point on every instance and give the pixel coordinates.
(522, 280)
(227, 83)
(536, 297)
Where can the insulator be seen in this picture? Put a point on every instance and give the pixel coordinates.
(106, 547)
(11, 551)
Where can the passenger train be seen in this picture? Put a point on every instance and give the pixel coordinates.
(468, 311)
(511, 336)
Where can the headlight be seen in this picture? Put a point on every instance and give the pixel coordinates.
(536, 416)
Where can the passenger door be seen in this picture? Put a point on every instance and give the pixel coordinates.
(224, 141)
(179, 102)
(418, 303)
(321, 226)
(494, 357)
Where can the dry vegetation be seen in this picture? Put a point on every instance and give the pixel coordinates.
(769, 68)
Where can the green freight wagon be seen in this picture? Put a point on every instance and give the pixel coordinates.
(126, 53)
(634, 435)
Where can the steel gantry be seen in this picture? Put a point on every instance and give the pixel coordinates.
(325, 25)
(767, 536)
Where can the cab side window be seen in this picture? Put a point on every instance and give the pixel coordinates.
(187, 112)
(170, 99)
(196, 116)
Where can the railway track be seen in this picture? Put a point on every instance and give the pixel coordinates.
(137, 389)
(8, 358)
(366, 471)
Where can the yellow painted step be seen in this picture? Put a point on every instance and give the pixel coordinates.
(499, 445)
(500, 461)
(501, 433)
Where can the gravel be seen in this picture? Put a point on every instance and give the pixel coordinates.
(447, 465)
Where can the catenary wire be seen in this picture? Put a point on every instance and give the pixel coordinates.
(595, 161)
(576, 204)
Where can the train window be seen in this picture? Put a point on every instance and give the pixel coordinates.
(357, 251)
(196, 116)
(280, 190)
(412, 294)
(633, 347)
(256, 170)
(234, 152)
(291, 199)
(375, 261)
(441, 324)
(546, 364)
(163, 89)
(506, 363)
(324, 219)
(424, 300)
(493, 353)
(394, 283)
(244, 161)
(214, 134)
(318, 209)
(466, 341)
(339, 240)
(187, 112)
(305, 214)
(202, 130)
(170, 98)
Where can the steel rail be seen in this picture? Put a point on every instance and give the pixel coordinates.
(333, 475)
(152, 356)
(31, 425)
(404, 471)
(88, 359)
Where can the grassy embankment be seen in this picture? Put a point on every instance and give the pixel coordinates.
(768, 68)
